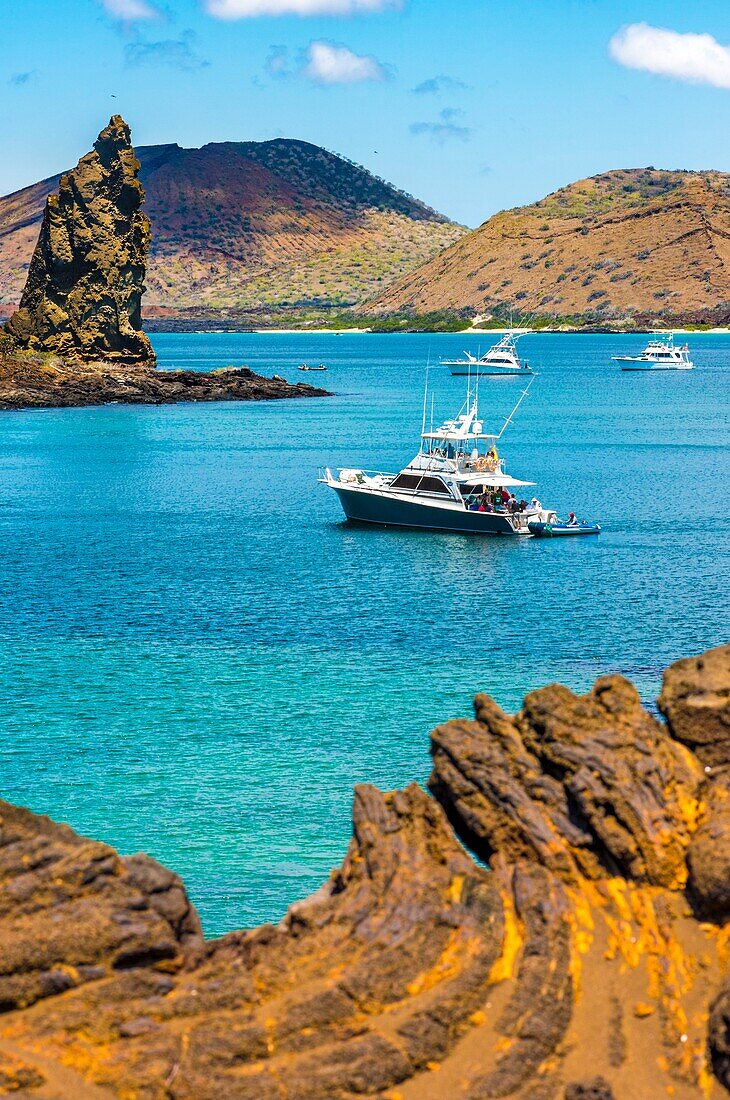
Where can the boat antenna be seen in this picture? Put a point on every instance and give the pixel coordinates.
(431, 412)
(425, 391)
(523, 395)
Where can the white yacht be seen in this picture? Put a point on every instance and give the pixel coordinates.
(456, 482)
(502, 358)
(659, 354)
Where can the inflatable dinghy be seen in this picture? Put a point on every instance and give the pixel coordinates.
(551, 530)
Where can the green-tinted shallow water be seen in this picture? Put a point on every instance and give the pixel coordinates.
(199, 659)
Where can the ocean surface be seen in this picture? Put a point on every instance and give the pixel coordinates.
(199, 658)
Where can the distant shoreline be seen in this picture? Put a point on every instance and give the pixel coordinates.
(437, 332)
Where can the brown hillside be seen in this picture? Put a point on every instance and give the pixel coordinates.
(253, 224)
(616, 246)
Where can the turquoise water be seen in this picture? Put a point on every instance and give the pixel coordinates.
(199, 659)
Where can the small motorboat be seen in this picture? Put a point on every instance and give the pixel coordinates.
(500, 359)
(658, 355)
(559, 527)
(305, 366)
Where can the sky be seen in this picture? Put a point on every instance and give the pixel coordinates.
(471, 105)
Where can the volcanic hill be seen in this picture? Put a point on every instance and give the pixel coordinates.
(636, 245)
(246, 225)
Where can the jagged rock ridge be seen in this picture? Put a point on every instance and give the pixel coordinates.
(82, 299)
(637, 245)
(582, 963)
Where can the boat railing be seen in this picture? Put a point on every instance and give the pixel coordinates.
(324, 471)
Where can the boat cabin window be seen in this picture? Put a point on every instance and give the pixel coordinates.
(423, 484)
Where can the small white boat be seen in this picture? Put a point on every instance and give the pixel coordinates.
(305, 366)
(502, 358)
(658, 355)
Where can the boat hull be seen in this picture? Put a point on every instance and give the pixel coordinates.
(463, 372)
(362, 506)
(637, 362)
(559, 530)
(655, 366)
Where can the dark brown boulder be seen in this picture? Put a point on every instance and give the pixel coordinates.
(695, 701)
(586, 785)
(71, 910)
(719, 1034)
(708, 856)
(82, 299)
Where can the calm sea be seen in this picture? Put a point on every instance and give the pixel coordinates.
(199, 658)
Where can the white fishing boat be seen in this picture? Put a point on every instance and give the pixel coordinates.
(659, 354)
(502, 358)
(456, 482)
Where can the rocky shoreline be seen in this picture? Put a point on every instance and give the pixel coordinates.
(583, 956)
(32, 381)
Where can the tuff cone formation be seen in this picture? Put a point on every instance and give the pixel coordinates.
(584, 963)
(82, 300)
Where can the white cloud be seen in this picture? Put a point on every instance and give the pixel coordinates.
(129, 10)
(330, 64)
(245, 9)
(696, 58)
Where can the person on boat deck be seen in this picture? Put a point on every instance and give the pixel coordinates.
(484, 503)
(505, 497)
(535, 505)
(573, 520)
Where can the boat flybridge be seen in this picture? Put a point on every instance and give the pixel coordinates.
(502, 358)
(658, 355)
(456, 482)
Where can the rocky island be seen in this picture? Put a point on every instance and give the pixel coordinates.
(580, 952)
(76, 338)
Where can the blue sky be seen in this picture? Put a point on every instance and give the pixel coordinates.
(472, 105)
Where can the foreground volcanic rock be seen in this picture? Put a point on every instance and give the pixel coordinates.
(83, 296)
(577, 965)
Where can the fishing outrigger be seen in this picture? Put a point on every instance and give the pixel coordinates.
(456, 482)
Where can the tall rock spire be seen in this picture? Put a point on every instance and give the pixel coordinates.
(83, 296)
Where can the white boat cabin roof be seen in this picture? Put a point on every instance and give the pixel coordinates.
(464, 428)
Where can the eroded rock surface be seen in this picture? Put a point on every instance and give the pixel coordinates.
(695, 700)
(589, 785)
(574, 966)
(71, 910)
(82, 299)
